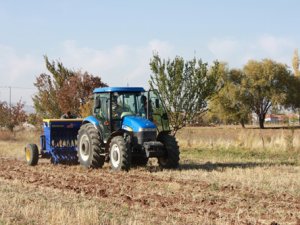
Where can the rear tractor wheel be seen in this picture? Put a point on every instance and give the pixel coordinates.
(89, 151)
(171, 158)
(31, 154)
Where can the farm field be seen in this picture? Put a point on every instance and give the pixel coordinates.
(227, 175)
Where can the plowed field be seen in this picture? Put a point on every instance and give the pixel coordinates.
(241, 194)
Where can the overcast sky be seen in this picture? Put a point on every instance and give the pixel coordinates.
(116, 39)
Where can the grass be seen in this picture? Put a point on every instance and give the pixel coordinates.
(13, 144)
(227, 175)
(253, 195)
(23, 204)
(249, 139)
(235, 155)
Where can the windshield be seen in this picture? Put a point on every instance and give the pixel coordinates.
(128, 104)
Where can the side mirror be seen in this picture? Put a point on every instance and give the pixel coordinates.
(97, 103)
(157, 103)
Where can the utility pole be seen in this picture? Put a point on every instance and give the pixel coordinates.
(10, 89)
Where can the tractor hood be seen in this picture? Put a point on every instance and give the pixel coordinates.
(137, 124)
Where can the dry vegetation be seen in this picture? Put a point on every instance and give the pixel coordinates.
(226, 176)
(270, 139)
(12, 144)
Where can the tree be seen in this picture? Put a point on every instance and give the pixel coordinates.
(63, 90)
(293, 101)
(12, 116)
(45, 101)
(294, 90)
(266, 84)
(185, 87)
(230, 103)
(34, 119)
(295, 63)
(87, 108)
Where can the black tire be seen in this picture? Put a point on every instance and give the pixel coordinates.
(89, 151)
(119, 154)
(139, 161)
(31, 154)
(171, 158)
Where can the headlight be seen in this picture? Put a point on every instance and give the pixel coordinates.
(127, 128)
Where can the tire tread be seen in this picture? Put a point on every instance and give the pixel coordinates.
(125, 153)
(172, 148)
(97, 160)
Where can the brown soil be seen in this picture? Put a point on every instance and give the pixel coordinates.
(187, 199)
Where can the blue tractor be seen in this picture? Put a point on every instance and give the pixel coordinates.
(128, 126)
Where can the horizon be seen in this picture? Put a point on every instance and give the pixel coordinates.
(116, 40)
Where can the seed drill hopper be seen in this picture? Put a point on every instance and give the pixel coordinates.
(58, 142)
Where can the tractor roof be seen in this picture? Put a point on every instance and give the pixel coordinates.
(119, 89)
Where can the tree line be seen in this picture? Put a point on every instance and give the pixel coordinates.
(188, 88)
(64, 90)
(58, 91)
(256, 88)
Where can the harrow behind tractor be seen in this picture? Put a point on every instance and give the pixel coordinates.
(128, 126)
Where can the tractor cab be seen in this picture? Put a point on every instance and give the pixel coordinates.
(112, 105)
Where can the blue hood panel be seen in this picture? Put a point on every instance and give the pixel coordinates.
(136, 123)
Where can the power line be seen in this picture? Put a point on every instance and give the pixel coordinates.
(16, 87)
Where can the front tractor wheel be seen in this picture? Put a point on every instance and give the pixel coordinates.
(89, 151)
(31, 154)
(119, 154)
(171, 158)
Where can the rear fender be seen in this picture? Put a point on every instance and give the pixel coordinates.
(97, 124)
(163, 133)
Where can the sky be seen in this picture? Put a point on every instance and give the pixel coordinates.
(116, 39)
